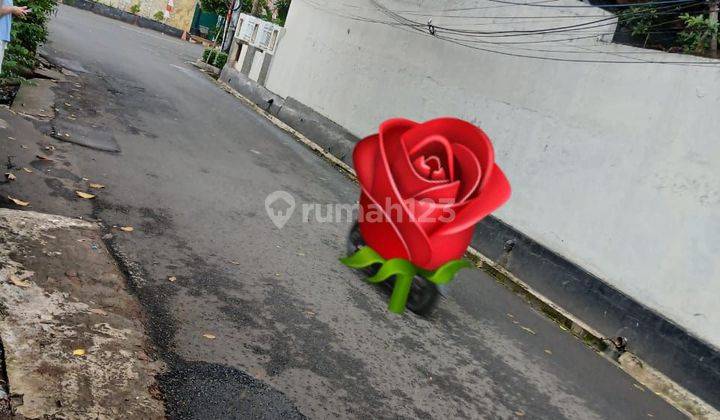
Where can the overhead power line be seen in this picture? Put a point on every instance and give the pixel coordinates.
(611, 6)
(466, 38)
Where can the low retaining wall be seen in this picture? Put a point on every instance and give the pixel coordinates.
(124, 16)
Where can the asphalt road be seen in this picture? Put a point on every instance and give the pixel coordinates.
(296, 333)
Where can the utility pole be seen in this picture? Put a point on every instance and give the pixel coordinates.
(714, 21)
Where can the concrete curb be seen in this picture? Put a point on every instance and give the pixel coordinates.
(653, 379)
(630, 363)
(328, 134)
(206, 67)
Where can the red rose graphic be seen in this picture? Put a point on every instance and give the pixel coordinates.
(425, 187)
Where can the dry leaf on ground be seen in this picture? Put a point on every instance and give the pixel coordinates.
(96, 186)
(127, 228)
(84, 195)
(10, 176)
(98, 311)
(18, 202)
(528, 330)
(209, 336)
(17, 281)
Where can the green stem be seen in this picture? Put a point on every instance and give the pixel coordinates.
(400, 293)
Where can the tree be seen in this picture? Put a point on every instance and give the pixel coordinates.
(219, 7)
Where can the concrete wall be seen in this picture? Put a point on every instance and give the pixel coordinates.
(180, 18)
(613, 166)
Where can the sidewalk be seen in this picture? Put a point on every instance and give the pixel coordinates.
(71, 334)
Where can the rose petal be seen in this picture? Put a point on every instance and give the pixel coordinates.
(432, 145)
(413, 236)
(443, 194)
(382, 236)
(429, 214)
(429, 206)
(422, 167)
(448, 247)
(365, 157)
(495, 193)
(407, 178)
(438, 175)
(470, 172)
(458, 131)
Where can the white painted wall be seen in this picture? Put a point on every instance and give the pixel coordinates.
(614, 166)
(254, 73)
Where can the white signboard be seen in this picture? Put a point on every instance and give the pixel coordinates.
(247, 27)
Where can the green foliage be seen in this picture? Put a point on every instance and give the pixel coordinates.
(206, 54)
(220, 60)
(159, 16)
(219, 7)
(669, 27)
(135, 8)
(283, 7)
(26, 35)
(264, 11)
(246, 6)
(640, 19)
(698, 32)
(211, 56)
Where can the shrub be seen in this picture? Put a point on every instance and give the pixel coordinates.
(26, 35)
(135, 8)
(211, 57)
(206, 54)
(640, 19)
(220, 60)
(159, 16)
(698, 32)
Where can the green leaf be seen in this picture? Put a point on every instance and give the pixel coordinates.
(395, 266)
(446, 272)
(404, 271)
(364, 257)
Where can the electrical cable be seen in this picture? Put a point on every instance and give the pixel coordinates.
(546, 58)
(402, 23)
